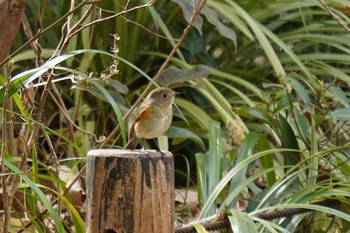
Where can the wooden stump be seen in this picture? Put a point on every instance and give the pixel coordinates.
(130, 191)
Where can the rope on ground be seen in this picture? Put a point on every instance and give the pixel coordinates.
(225, 223)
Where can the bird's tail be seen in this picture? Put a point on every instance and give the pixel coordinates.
(132, 144)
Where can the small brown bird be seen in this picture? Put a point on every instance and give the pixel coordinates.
(153, 117)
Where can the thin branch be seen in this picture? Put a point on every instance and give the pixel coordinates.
(42, 32)
(334, 16)
(77, 27)
(66, 40)
(5, 193)
(148, 30)
(141, 26)
(60, 104)
(35, 45)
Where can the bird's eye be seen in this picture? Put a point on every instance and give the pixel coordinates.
(165, 96)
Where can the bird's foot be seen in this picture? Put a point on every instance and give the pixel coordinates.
(159, 151)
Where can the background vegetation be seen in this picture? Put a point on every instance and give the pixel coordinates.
(261, 124)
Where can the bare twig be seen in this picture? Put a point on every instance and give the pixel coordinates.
(334, 16)
(196, 12)
(65, 40)
(4, 144)
(148, 30)
(79, 25)
(42, 32)
(65, 112)
(140, 25)
(35, 45)
(9, 183)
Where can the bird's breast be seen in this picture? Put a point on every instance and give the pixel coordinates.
(155, 125)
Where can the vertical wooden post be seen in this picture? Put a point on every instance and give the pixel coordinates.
(130, 191)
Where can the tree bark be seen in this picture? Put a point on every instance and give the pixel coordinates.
(130, 191)
(11, 12)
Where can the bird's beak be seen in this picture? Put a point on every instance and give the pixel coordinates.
(177, 93)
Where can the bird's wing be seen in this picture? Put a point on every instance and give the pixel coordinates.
(143, 113)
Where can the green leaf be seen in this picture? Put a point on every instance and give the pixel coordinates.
(257, 199)
(213, 159)
(280, 191)
(226, 12)
(211, 15)
(245, 150)
(162, 25)
(282, 103)
(17, 82)
(197, 114)
(231, 173)
(258, 113)
(188, 9)
(176, 132)
(258, 29)
(340, 114)
(236, 91)
(98, 94)
(340, 95)
(243, 185)
(213, 18)
(261, 113)
(53, 213)
(241, 222)
(30, 55)
(202, 183)
(267, 161)
(174, 75)
(118, 86)
(289, 140)
(78, 221)
(303, 124)
(200, 228)
(341, 159)
(297, 87)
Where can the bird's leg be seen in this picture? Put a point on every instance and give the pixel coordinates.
(158, 149)
(142, 142)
